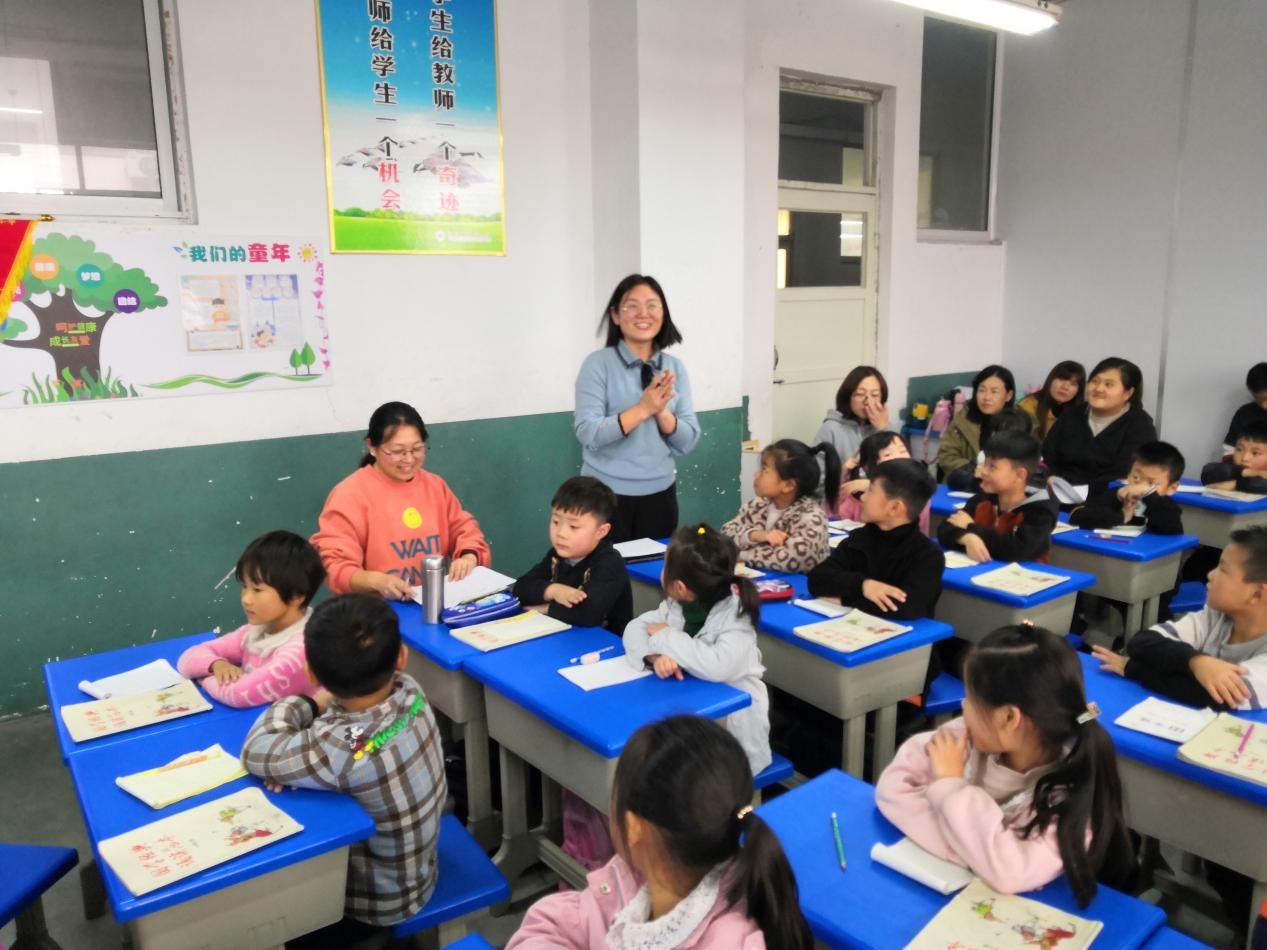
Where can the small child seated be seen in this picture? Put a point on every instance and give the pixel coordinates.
(707, 626)
(263, 660)
(875, 448)
(697, 867)
(1024, 787)
(1216, 656)
(1147, 498)
(1256, 383)
(783, 527)
(371, 736)
(887, 567)
(1003, 521)
(1247, 471)
(582, 580)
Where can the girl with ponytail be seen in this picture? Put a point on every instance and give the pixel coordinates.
(695, 866)
(1023, 787)
(783, 528)
(707, 626)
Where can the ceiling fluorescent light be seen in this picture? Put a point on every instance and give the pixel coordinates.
(20, 111)
(1015, 16)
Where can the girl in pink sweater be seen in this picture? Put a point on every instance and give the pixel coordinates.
(1025, 785)
(681, 877)
(876, 448)
(382, 520)
(263, 660)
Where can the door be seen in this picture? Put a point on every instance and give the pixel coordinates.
(826, 300)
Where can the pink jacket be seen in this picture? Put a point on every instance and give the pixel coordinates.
(265, 678)
(579, 920)
(974, 820)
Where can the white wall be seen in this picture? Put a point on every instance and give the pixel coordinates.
(1102, 169)
(637, 136)
(940, 305)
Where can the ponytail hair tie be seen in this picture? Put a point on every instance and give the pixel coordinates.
(1092, 713)
(741, 816)
(701, 530)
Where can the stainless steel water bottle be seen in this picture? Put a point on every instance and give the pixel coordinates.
(432, 588)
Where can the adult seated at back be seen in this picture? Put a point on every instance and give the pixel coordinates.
(993, 390)
(1096, 443)
(382, 520)
(861, 410)
(634, 413)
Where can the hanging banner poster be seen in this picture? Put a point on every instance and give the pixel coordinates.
(111, 313)
(412, 126)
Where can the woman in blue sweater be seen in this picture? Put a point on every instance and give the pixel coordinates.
(634, 413)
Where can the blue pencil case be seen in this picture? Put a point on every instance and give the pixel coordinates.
(492, 607)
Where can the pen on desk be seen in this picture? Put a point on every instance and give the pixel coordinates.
(840, 847)
(1249, 731)
(595, 654)
(1109, 539)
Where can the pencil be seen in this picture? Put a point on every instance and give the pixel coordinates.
(1249, 731)
(840, 847)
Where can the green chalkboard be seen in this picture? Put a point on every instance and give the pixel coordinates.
(110, 550)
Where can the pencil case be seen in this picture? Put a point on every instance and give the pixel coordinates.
(492, 607)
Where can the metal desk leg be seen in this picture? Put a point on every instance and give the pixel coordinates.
(885, 739)
(853, 745)
(519, 850)
(1152, 607)
(480, 819)
(93, 890)
(1131, 623)
(551, 807)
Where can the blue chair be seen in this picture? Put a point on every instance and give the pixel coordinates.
(779, 770)
(26, 872)
(470, 942)
(466, 881)
(1190, 598)
(945, 696)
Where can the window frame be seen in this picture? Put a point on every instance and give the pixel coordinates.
(988, 235)
(790, 81)
(170, 135)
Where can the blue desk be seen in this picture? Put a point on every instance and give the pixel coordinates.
(280, 891)
(1133, 571)
(942, 506)
(974, 611)
(62, 678)
(436, 659)
(572, 736)
(1197, 810)
(1213, 519)
(869, 905)
(847, 685)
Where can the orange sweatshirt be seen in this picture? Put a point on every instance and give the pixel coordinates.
(375, 523)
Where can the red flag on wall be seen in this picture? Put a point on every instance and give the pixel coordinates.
(15, 253)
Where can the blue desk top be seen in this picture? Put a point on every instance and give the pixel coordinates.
(646, 571)
(1149, 546)
(61, 680)
(27, 871)
(779, 617)
(841, 906)
(432, 640)
(330, 820)
(1198, 500)
(1115, 695)
(943, 504)
(604, 719)
(960, 579)
(1167, 939)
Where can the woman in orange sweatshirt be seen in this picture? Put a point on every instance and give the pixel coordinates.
(383, 519)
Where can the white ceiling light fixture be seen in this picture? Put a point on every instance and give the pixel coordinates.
(1015, 16)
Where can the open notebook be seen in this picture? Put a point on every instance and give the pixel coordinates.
(174, 848)
(1230, 745)
(105, 717)
(495, 634)
(979, 917)
(1014, 579)
(851, 632)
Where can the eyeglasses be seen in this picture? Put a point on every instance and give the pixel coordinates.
(631, 307)
(399, 454)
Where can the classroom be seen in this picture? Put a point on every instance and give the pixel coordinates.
(1001, 200)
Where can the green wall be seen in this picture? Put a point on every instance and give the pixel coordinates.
(106, 551)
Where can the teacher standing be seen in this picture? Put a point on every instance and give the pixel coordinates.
(634, 413)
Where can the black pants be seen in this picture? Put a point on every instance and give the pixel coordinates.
(346, 934)
(645, 516)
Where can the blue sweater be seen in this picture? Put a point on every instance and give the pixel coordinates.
(640, 463)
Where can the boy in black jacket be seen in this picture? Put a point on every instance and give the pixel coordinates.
(582, 580)
(887, 567)
(1146, 499)
(1247, 471)
(1001, 522)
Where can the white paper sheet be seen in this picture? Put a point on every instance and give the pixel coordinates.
(820, 605)
(143, 679)
(959, 559)
(906, 857)
(640, 547)
(612, 672)
(481, 582)
(1165, 720)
